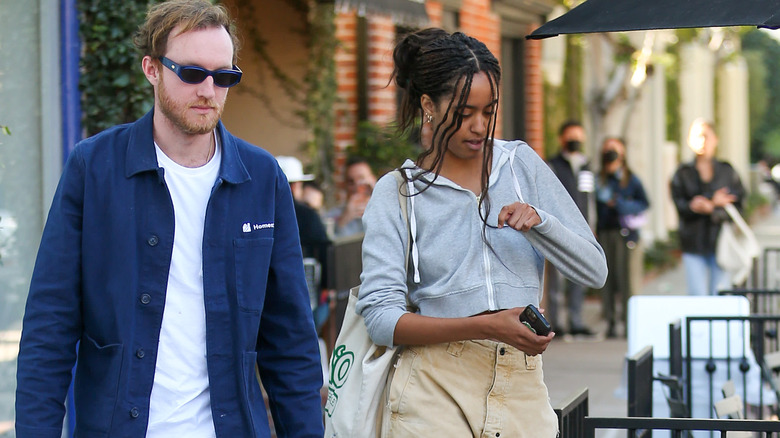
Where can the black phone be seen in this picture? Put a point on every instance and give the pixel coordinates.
(535, 321)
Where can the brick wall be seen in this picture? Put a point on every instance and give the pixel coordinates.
(346, 106)
(381, 95)
(534, 94)
(476, 20)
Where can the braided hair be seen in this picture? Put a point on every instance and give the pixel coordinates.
(441, 65)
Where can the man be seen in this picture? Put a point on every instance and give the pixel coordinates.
(171, 257)
(571, 167)
(360, 181)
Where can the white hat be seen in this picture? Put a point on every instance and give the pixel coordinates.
(293, 169)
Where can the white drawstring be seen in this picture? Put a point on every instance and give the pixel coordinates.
(413, 226)
(514, 175)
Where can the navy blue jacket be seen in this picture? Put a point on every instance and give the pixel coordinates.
(100, 280)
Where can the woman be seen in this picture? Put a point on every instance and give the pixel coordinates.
(700, 190)
(620, 203)
(469, 367)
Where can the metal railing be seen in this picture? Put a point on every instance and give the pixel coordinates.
(640, 383)
(680, 427)
(730, 349)
(571, 414)
(762, 301)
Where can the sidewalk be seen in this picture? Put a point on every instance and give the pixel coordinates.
(598, 364)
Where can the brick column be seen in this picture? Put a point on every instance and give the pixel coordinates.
(381, 95)
(534, 94)
(478, 21)
(345, 109)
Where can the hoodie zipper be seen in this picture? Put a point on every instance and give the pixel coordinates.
(486, 266)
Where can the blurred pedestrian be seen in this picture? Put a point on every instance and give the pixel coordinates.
(312, 195)
(314, 238)
(169, 265)
(572, 168)
(700, 189)
(621, 204)
(483, 215)
(359, 182)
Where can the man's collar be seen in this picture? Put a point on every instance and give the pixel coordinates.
(141, 156)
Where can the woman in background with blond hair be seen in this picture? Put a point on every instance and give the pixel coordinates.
(700, 190)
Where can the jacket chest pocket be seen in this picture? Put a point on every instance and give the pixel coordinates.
(252, 259)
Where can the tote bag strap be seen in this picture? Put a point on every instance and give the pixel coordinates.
(405, 190)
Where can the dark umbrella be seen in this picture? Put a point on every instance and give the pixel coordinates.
(626, 15)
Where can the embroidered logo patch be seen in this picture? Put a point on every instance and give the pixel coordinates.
(248, 227)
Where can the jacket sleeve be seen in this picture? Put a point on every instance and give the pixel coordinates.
(52, 319)
(563, 237)
(383, 278)
(636, 203)
(288, 352)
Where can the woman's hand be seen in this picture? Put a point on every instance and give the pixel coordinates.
(701, 205)
(722, 197)
(509, 330)
(519, 216)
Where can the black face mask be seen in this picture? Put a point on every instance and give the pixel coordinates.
(609, 157)
(573, 145)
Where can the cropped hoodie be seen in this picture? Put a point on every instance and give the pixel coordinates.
(452, 270)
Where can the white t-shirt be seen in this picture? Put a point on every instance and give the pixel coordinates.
(180, 404)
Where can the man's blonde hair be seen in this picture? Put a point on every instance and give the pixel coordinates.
(152, 36)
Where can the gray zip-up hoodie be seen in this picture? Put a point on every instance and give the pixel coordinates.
(458, 274)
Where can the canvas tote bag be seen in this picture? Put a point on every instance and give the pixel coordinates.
(736, 247)
(359, 368)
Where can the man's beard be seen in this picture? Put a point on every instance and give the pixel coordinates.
(176, 112)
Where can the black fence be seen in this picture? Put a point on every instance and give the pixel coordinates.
(571, 414)
(762, 301)
(681, 427)
(728, 351)
(640, 383)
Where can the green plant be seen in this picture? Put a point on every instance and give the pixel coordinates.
(383, 147)
(753, 202)
(113, 88)
(321, 88)
(5, 130)
(662, 254)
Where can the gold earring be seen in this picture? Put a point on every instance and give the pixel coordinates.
(428, 118)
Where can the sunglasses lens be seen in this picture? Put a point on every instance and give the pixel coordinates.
(192, 75)
(226, 79)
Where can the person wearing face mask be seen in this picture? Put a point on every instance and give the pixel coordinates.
(700, 190)
(620, 204)
(572, 169)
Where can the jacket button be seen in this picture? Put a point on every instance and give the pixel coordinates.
(134, 413)
(140, 353)
(153, 240)
(502, 351)
(146, 298)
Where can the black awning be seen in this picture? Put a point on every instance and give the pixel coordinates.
(627, 15)
(405, 12)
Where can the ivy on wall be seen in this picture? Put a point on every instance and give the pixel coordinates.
(321, 90)
(113, 87)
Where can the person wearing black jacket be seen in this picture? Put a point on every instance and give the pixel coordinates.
(700, 190)
(571, 168)
(313, 235)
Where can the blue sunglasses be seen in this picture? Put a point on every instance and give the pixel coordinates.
(193, 74)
